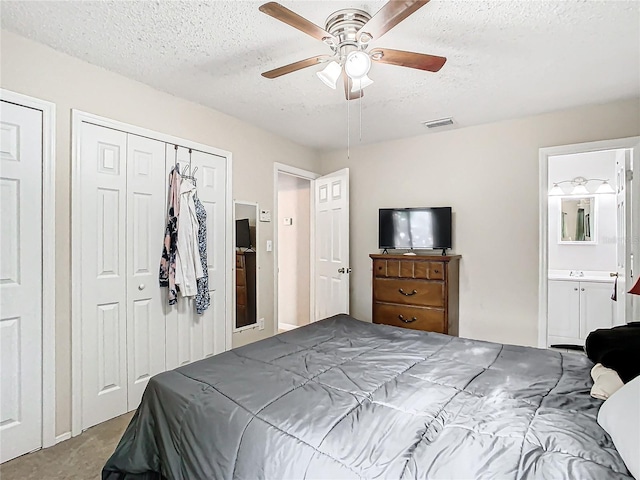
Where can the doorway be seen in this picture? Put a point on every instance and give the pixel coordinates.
(289, 183)
(293, 246)
(587, 239)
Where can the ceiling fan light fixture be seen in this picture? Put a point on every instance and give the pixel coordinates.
(365, 38)
(360, 83)
(357, 64)
(330, 74)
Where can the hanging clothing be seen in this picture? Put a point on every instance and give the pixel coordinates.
(188, 262)
(167, 274)
(202, 297)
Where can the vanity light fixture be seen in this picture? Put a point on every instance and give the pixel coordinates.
(580, 186)
(556, 190)
(605, 188)
(579, 190)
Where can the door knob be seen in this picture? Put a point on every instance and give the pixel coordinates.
(344, 270)
(141, 286)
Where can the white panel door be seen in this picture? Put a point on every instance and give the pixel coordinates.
(624, 229)
(563, 312)
(211, 176)
(634, 215)
(179, 317)
(190, 336)
(103, 262)
(145, 223)
(596, 307)
(20, 280)
(332, 244)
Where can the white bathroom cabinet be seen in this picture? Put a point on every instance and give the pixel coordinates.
(576, 308)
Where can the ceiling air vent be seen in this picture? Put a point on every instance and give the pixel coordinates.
(443, 122)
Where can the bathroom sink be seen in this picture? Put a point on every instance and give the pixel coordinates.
(581, 275)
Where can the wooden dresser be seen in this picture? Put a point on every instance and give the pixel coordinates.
(419, 292)
(245, 288)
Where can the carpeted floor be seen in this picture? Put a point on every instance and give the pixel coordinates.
(80, 458)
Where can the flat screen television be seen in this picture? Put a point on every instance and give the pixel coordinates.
(415, 228)
(243, 233)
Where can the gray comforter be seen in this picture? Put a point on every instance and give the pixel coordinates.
(347, 399)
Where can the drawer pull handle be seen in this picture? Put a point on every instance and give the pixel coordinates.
(407, 294)
(407, 320)
(436, 271)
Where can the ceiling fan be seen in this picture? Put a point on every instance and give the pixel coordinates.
(348, 33)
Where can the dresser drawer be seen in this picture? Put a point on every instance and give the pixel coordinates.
(379, 268)
(428, 319)
(436, 271)
(409, 292)
(408, 269)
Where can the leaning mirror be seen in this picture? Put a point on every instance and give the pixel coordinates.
(246, 214)
(578, 220)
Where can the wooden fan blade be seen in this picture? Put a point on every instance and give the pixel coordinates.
(292, 67)
(391, 14)
(421, 61)
(285, 15)
(348, 83)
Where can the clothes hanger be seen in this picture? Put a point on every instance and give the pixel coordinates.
(192, 176)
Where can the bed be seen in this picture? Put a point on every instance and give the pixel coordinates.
(343, 398)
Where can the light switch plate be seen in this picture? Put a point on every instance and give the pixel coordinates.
(261, 324)
(265, 215)
(269, 246)
(288, 221)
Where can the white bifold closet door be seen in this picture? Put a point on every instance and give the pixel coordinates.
(147, 189)
(190, 336)
(129, 332)
(123, 214)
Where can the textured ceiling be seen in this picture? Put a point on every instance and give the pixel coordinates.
(505, 59)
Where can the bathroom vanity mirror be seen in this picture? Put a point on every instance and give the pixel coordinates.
(246, 258)
(578, 220)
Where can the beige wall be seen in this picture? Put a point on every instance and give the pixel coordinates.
(36, 70)
(293, 245)
(489, 175)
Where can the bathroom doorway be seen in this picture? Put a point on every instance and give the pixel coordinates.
(587, 239)
(293, 250)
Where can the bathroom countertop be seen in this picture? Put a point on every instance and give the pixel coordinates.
(587, 276)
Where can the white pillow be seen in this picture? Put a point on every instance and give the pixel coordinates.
(606, 382)
(620, 417)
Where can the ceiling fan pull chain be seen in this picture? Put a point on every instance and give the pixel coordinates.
(348, 130)
(360, 105)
